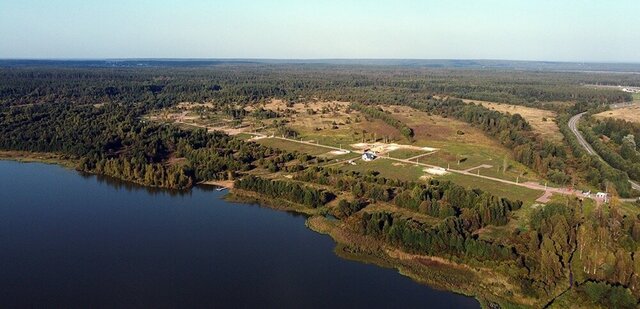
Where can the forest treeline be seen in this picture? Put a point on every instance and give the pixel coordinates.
(439, 199)
(618, 145)
(248, 83)
(290, 191)
(599, 252)
(113, 140)
(592, 169)
(448, 238)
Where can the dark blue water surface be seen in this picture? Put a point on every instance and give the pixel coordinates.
(68, 240)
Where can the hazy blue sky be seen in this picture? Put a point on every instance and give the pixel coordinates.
(574, 30)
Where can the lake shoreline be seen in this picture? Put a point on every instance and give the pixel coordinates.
(432, 271)
(176, 236)
(38, 157)
(367, 251)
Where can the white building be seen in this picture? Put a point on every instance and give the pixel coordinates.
(603, 196)
(368, 156)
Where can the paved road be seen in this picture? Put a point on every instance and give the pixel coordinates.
(573, 125)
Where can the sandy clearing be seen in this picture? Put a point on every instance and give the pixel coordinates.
(219, 183)
(630, 113)
(384, 147)
(435, 171)
(339, 152)
(545, 198)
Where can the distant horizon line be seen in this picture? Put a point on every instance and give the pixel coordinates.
(305, 59)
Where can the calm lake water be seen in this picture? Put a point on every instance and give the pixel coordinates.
(68, 240)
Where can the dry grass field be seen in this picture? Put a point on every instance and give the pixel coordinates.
(430, 129)
(629, 113)
(542, 121)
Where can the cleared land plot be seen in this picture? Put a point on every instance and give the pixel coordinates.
(430, 129)
(387, 168)
(542, 121)
(457, 144)
(460, 146)
(190, 115)
(629, 113)
(331, 123)
(409, 153)
(292, 146)
(528, 196)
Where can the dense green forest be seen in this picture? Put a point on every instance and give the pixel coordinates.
(246, 83)
(290, 191)
(592, 169)
(619, 148)
(112, 140)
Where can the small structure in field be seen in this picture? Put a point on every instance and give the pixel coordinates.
(369, 155)
(602, 196)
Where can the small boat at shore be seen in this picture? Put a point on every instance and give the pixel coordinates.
(221, 189)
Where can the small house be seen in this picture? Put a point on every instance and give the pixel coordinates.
(368, 156)
(602, 196)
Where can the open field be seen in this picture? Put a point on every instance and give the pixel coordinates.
(528, 196)
(629, 113)
(431, 129)
(542, 121)
(410, 153)
(292, 146)
(200, 115)
(438, 141)
(460, 146)
(387, 168)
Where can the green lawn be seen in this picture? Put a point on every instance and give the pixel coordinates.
(388, 169)
(406, 153)
(475, 155)
(528, 196)
(293, 146)
(244, 136)
(335, 138)
(631, 209)
(510, 174)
